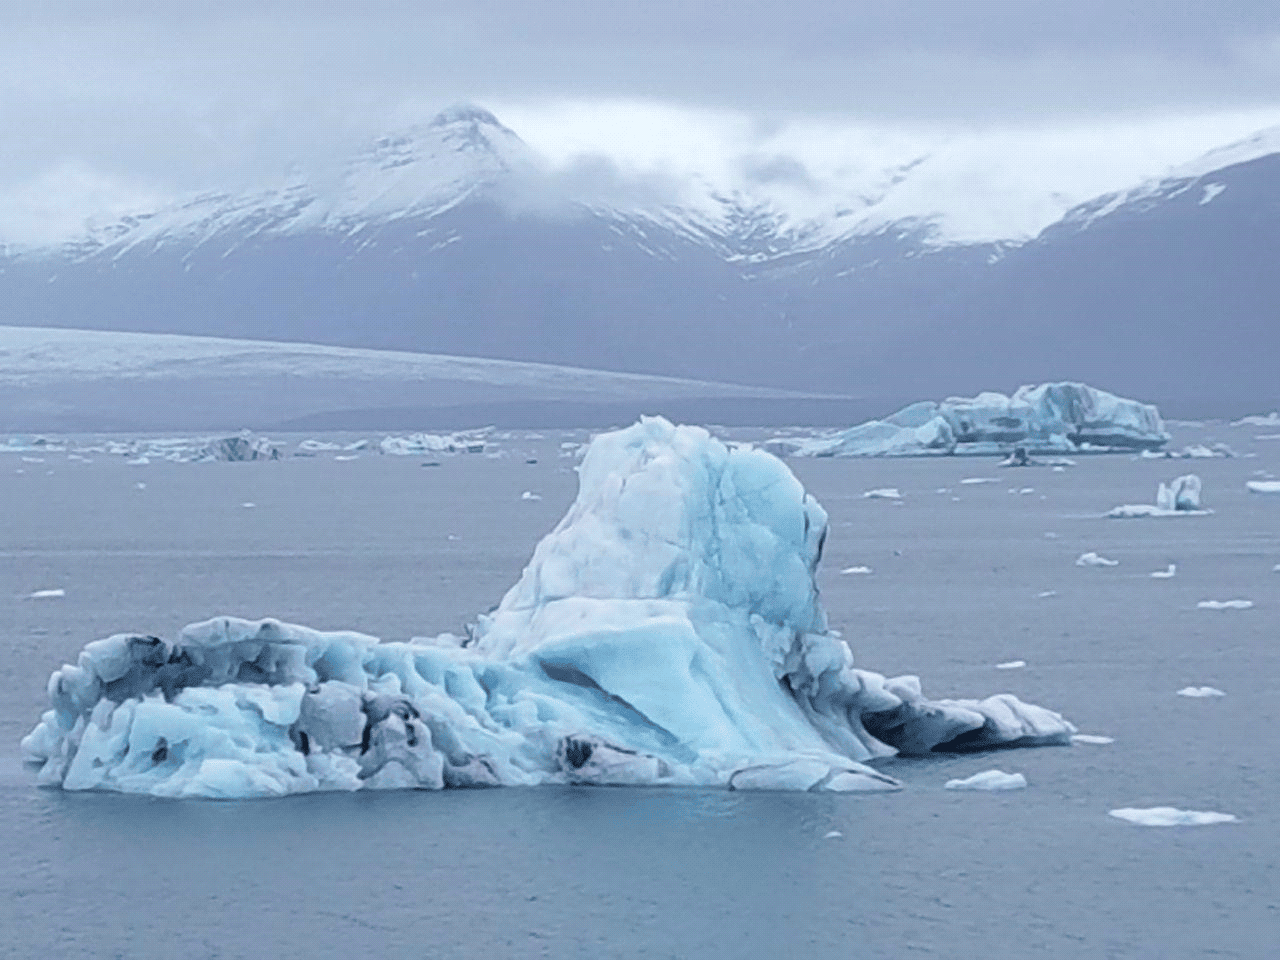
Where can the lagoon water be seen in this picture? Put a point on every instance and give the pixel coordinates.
(394, 548)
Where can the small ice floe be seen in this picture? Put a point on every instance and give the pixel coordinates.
(832, 835)
(1011, 665)
(1276, 568)
(46, 594)
(248, 506)
(1045, 594)
(1263, 486)
(1092, 559)
(1179, 498)
(33, 459)
(1050, 535)
(943, 490)
(883, 493)
(530, 495)
(1026, 490)
(347, 456)
(452, 537)
(1200, 693)
(1168, 573)
(1170, 817)
(1225, 604)
(974, 481)
(856, 570)
(989, 780)
(138, 461)
(1092, 739)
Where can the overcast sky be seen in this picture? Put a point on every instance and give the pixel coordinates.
(111, 104)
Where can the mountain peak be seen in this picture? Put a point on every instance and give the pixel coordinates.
(464, 113)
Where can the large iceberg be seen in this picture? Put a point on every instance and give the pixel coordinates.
(1050, 418)
(667, 631)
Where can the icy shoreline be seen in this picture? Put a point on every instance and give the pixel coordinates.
(668, 631)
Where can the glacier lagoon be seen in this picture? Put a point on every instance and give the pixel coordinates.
(384, 546)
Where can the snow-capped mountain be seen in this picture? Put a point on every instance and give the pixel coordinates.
(456, 237)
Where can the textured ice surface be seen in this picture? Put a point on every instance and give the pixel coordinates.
(989, 780)
(1053, 417)
(1092, 559)
(667, 631)
(1171, 817)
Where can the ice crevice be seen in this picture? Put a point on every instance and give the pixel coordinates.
(668, 630)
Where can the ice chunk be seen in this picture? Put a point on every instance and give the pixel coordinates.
(239, 448)
(832, 835)
(1271, 419)
(1011, 665)
(1168, 573)
(856, 570)
(46, 594)
(883, 493)
(1053, 417)
(975, 481)
(667, 631)
(1181, 497)
(1263, 486)
(1200, 693)
(989, 780)
(1225, 604)
(1092, 559)
(1170, 817)
(1092, 739)
(530, 495)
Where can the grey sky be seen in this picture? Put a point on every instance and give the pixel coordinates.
(138, 97)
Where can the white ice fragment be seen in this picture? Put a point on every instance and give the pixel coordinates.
(1166, 574)
(140, 485)
(1225, 604)
(139, 461)
(856, 570)
(33, 459)
(1092, 559)
(976, 481)
(1050, 535)
(883, 493)
(1011, 665)
(1200, 693)
(1026, 490)
(1092, 739)
(344, 457)
(530, 495)
(1045, 594)
(46, 594)
(1179, 498)
(1263, 486)
(832, 835)
(989, 780)
(1170, 817)
(248, 506)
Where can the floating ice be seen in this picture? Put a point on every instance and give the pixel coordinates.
(1263, 486)
(1053, 417)
(856, 570)
(1271, 419)
(530, 495)
(1225, 604)
(1092, 559)
(46, 594)
(975, 481)
(1092, 739)
(1200, 693)
(248, 506)
(1045, 594)
(1170, 817)
(1011, 665)
(832, 835)
(420, 443)
(343, 457)
(1179, 498)
(1168, 573)
(883, 493)
(667, 631)
(989, 780)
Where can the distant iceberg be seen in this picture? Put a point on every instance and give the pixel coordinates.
(1178, 498)
(1050, 418)
(667, 631)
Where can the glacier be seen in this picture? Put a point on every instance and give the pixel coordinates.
(1050, 418)
(667, 631)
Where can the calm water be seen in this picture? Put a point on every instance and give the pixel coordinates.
(387, 546)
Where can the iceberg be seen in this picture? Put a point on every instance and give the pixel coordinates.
(1263, 486)
(1171, 817)
(1050, 418)
(668, 631)
(1180, 498)
(989, 780)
